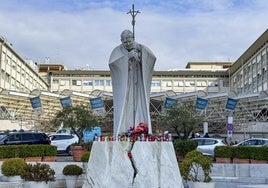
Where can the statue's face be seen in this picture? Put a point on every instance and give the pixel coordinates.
(127, 42)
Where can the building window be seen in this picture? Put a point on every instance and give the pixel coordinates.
(56, 81)
(64, 82)
(76, 82)
(213, 84)
(201, 83)
(155, 83)
(87, 83)
(225, 84)
(8, 60)
(99, 82)
(189, 83)
(166, 83)
(108, 83)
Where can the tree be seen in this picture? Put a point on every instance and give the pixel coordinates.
(77, 118)
(182, 118)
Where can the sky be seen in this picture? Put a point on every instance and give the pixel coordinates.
(81, 34)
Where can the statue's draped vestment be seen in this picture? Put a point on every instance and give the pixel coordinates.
(131, 81)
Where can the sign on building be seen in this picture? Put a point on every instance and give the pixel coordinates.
(231, 104)
(169, 102)
(67, 101)
(97, 106)
(36, 105)
(201, 103)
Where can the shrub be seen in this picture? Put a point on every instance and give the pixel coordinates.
(72, 170)
(196, 167)
(50, 150)
(182, 147)
(13, 167)
(31, 151)
(22, 151)
(85, 157)
(9, 151)
(38, 172)
(241, 152)
(265, 151)
(223, 151)
(259, 153)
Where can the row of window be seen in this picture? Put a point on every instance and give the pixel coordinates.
(19, 77)
(256, 65)
(65, 82)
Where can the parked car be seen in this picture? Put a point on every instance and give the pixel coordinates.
(3, 135)
(253, 142)
(207, 145)
(18, 138)
(64, 131)
(63, 142)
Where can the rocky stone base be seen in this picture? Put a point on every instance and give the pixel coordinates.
(141, 165)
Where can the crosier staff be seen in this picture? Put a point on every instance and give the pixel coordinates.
(133, 14)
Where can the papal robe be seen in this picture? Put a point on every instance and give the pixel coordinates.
(131, 82)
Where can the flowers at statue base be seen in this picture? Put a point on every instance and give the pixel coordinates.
(139, 133)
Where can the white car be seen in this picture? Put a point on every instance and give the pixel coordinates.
(63, 142)
(254, 142)
(207, 145)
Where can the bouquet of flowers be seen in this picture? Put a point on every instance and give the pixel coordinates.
(138, 133)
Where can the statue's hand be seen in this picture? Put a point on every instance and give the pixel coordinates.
(134, 55)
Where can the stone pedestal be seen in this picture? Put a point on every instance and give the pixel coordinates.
(156, 166)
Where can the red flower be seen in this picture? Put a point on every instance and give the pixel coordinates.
(142, 128)
(129, 154)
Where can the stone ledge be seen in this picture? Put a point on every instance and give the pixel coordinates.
(154, 165)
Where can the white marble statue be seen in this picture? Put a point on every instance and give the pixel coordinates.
(131, 66)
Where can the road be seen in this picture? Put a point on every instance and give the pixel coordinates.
(64, 158)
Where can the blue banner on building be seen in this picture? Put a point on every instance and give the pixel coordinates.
(67, 101)
(169, 102)
(201, 103)
(231, 104)
(97, 106)
(35, 102)
(36, 105)
(96, 103)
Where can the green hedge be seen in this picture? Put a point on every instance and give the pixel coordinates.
(259, 153)
(9, 151)
(223, 151)
(182, 147)
(50, 150)
(242, 152)
(22, 151)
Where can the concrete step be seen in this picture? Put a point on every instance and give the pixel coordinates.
(240, 182)
(253, 186)
(12, 185)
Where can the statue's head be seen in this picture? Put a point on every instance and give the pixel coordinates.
(127, 39)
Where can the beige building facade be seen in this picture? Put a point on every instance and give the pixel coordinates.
(244, 80)
(16, 73)
(180, 81)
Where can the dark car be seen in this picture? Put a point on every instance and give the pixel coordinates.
(2, 135)
(18, 138)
